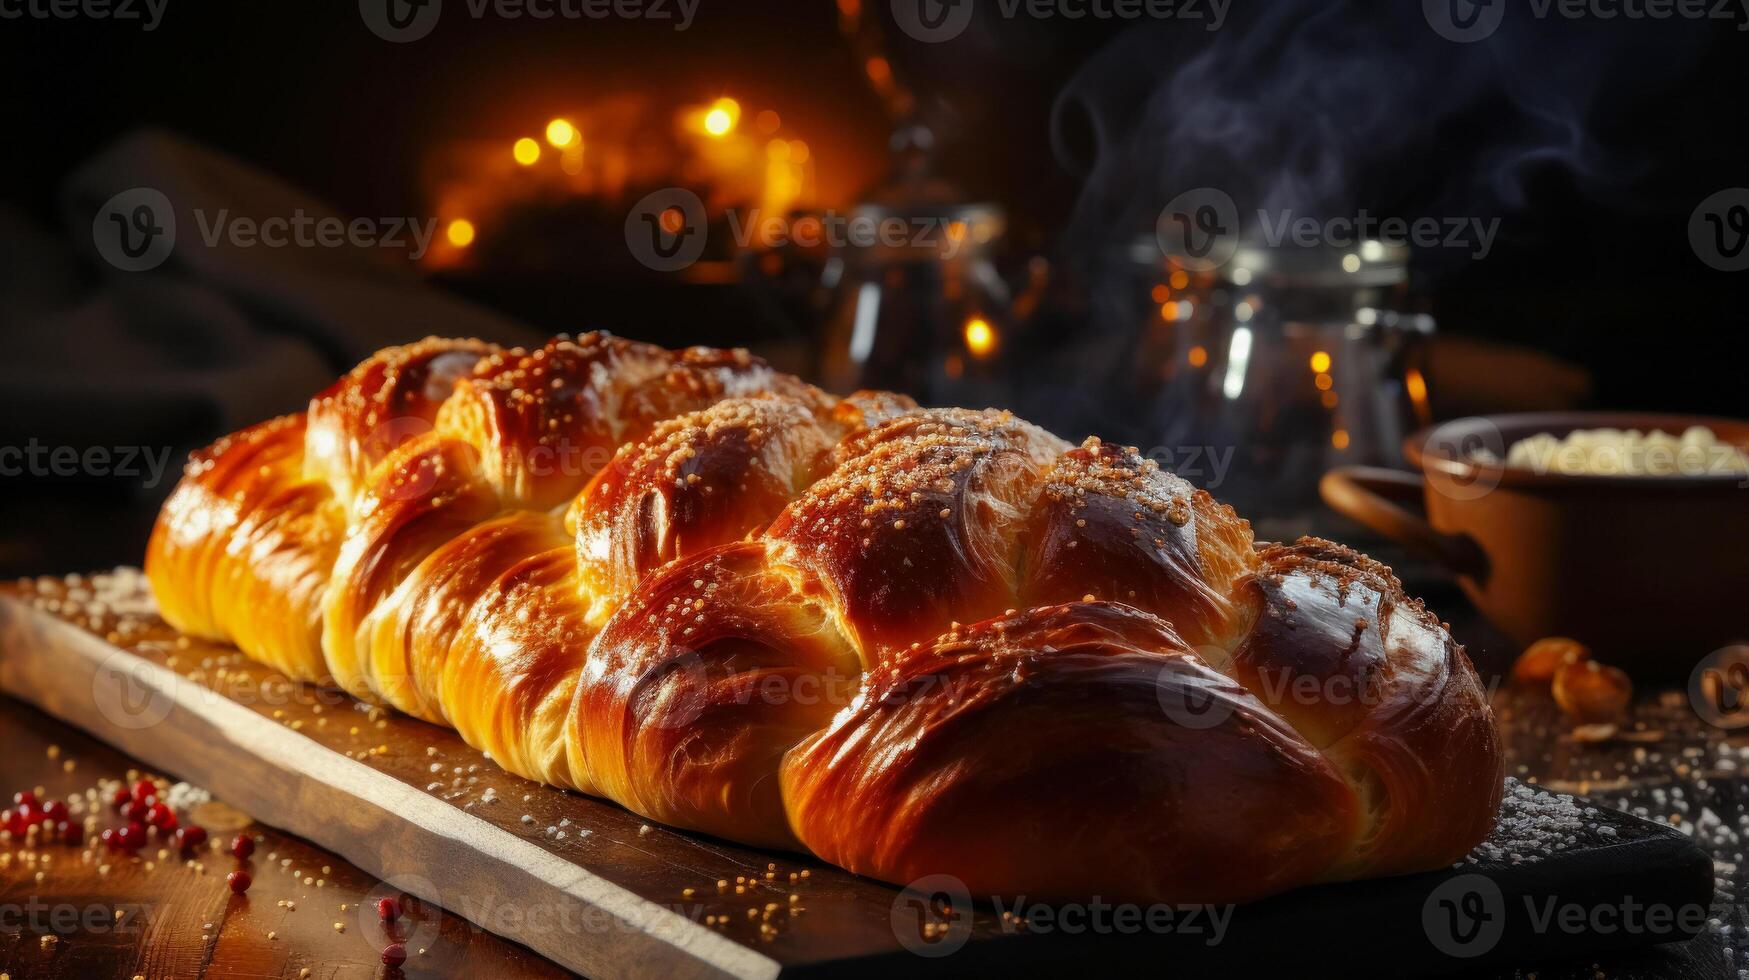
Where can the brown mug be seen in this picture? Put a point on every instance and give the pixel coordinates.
(1651, 572)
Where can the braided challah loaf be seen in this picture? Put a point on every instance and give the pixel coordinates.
(910, 641)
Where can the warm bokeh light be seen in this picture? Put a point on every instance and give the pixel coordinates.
(1416, 384)
(561, 133)
(1320, 362)
(461, 233)
(798, 151)
(1324, 382)
(1169, 310)
(672, 220)
(721, 118)
(778, 150)
(1161, 294)
(526, 151)
(768, 122)
(980, 337)
(1198, 356)
(1180, 279)
(1339, 438)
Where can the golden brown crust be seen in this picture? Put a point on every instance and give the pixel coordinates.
(1374, 680)
(700, 480)
(1038, 759)
(243, 548)
(919, 523)
(390, 398)
(692, 695)
(1113, 525)
(732, 603)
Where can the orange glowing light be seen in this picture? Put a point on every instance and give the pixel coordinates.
(526, 151)
(768, 122)
(878, 70)
(1179, 279)
(1417, 386)
(1169, 310)
(460, 233)
(1320, 362)
(1198, 356)
(560, 133)
(1328, 399)
(721, 118)
(980, 337)
(1324, 382)
(672, 220)
(1161, 294)
(1339, 438)
(778, 150)
(798, 151)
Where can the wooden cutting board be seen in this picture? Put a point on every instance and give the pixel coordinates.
(600, 891)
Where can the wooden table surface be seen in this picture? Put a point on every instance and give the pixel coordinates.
(162, 916)
(59, 906)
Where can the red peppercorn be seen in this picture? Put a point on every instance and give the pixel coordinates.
(55, 810)
(71, 833)
(23, 798)
(190, 837)
(131, 838)
(394, 954)
(145, 788)
(28, 816)
(388, 910)
(161, 816)
(243, 846)
(239, 881)
(134, 811)
(120, 797)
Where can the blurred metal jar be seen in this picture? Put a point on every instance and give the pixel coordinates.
(1282, 362)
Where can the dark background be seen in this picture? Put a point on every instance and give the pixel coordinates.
(1593, 264)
